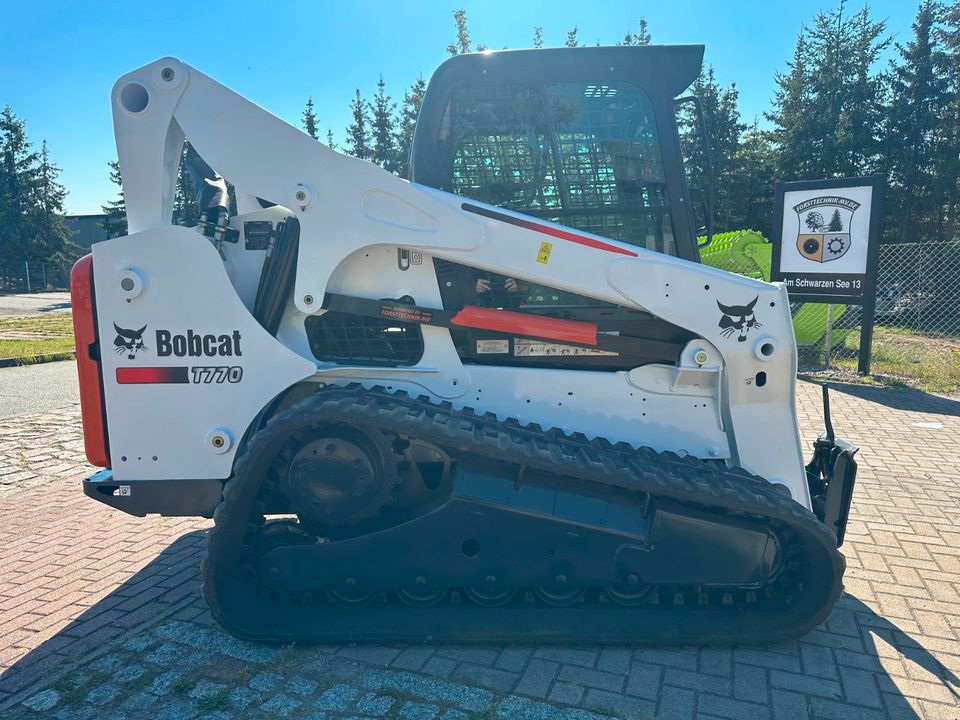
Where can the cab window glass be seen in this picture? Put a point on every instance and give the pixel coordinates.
(580, 154)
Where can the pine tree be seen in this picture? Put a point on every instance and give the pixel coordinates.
(641, 37)
(185, 210)
(572, 38)
(330, 143)
(836, 224)
(51, 236)
(462, 44)
(412, 100)
(912, 139)
(947, 166)
(722, 119)
(538, 37)
(792, 104)
(827, 111)
(358, 132)
(18, 179)
(750, 194)
(310, 120)
(383, 130)
(115, 223)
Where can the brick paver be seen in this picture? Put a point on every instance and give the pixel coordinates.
(100, 614)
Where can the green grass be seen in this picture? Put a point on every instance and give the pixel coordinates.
(902, 356)
(56, 330)
(212, 703)
(182, 685)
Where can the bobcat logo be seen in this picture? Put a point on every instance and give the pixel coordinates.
(128, 341)
(738, 318)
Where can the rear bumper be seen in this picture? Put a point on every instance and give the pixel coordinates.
(172, 498)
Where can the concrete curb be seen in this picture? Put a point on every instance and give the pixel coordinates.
(36, 359)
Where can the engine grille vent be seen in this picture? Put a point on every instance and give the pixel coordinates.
(347, 339)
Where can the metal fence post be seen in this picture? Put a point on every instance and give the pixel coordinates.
(828, 337)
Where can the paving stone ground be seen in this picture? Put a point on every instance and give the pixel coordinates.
(100, 614)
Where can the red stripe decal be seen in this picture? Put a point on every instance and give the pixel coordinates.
(547, 230)
(150, 375)
(526, 324)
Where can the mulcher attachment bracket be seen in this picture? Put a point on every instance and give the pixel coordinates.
(831, 475)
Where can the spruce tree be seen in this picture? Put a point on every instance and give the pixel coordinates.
(412, 100)
(115, 223)
(462, 44)
(792, 105)
(750, 195)
(572, 38)
(947, 167)
(722, 120)
(383, 130)
(836, 224)
(310, 120)
(913, 141)
(185, 210)
(827, 111)
(538, 37)
(358, 132)
(641, 37)
(330, 143)
(18, 179)
(51, 236)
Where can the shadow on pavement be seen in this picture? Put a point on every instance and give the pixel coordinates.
(900, 398)
(54, 307)
(172, 577)
(876, 645)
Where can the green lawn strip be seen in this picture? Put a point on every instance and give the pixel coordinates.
(60, 323)
(927, 363)
(56, 330)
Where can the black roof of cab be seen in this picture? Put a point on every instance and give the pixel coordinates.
(662, 71)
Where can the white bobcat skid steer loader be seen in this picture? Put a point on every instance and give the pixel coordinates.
(429, 412)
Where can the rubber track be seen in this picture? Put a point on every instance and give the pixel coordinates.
(705, 484)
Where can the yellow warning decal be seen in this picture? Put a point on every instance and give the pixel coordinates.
(543, 257)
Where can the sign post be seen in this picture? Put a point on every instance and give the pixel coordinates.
(827, 247)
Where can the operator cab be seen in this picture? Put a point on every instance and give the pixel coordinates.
(583, 137)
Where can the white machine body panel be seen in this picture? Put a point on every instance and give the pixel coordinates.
(730, 396)
(170, 400)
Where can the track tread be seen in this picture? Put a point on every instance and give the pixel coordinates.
(688, 480)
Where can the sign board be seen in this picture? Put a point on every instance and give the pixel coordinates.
(826, 241)
(828, 235)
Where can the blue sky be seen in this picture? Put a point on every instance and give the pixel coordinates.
(57, 71)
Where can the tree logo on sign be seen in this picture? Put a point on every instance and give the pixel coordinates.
(825, 221)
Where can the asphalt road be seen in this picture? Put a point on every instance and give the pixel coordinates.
(37, 388)
(29, 303)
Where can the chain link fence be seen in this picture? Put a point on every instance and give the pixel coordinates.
(917, 329)
(18, 276)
